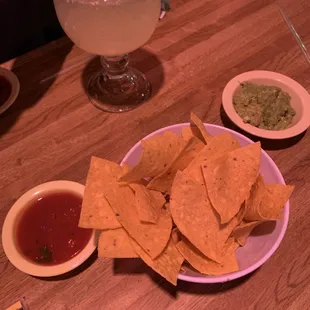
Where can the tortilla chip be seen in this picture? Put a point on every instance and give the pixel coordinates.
(242, 232)
(266, 200)
(160, 198)
(167, 264)
(257, 194)
(143, 182)
(158, 152)
(115, 243)
(216, 146)
(126, 167)
(226, 229)
(276, 195)
(187, 133)
(163, 181)
(167, 207)
(96, 211)
(201, 133)
(205, 265)
(194, 216)
(152, 237)
(229, 179)
(176, 235)
(190, 132)
(148, 203)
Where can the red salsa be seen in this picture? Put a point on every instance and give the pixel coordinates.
(48, 233)
(5, 89)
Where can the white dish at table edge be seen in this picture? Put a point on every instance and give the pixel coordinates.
(13, 80)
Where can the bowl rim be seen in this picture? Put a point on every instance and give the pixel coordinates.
(299, 90)
(8, 231)
(12, 78)
(285, 214)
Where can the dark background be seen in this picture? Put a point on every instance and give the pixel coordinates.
(25, 25)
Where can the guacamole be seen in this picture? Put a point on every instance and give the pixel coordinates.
(266, 107)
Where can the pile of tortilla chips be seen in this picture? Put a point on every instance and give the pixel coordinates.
(192, 198)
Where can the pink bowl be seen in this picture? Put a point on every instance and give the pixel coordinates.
(263, 241)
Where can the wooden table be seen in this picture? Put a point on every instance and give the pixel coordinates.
(52, 131)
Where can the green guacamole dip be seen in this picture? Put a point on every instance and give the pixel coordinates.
(266, 107)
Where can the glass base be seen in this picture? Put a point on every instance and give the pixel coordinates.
(119, 93)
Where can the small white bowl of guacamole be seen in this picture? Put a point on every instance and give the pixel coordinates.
(267, 104)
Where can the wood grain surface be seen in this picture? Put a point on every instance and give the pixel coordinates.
(52, 130)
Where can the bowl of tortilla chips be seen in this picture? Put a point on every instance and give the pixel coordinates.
(196, 202)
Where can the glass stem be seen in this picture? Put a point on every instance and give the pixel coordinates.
(115, 66)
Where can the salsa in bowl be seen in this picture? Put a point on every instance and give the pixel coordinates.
(40, 234)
